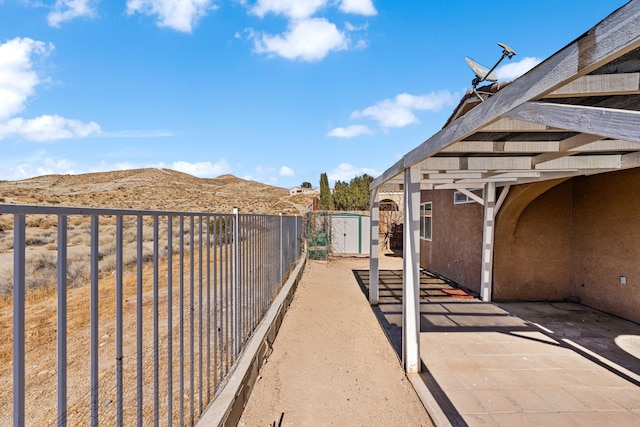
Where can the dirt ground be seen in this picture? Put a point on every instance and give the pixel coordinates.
(331, 362)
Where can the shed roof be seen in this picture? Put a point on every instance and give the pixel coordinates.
(576, 113)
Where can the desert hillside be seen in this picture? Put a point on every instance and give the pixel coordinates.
(155, 189)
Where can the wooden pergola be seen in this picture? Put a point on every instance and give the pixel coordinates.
(576, 113)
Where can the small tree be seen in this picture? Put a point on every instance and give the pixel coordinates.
(342, 199)
(326, 199)
(306, 185)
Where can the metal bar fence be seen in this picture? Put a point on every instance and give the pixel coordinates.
(112, 276)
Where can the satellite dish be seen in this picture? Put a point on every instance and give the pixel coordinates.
(506, 50)
(485, 74)
(481, 72)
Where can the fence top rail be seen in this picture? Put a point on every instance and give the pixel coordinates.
(69, 210)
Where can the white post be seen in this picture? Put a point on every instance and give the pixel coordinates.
(411, 271)
(487, 240)
(373, 251)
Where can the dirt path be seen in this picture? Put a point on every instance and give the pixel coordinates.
(331, 363)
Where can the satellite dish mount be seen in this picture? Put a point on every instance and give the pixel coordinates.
(484, 74)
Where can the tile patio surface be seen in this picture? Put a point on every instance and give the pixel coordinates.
(518, 364)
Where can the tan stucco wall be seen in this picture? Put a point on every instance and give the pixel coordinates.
(607, 242)
(456, 248)
(532, 255)
(572, 239)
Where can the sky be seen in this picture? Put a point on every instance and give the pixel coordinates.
(277, 91)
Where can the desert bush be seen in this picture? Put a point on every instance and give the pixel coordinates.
(77, 273)
(41, 270)
(6, 281)
(108, 263)
(6, 243)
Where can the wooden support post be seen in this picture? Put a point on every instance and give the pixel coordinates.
(373, 251)
(487, 240)
(411, 271)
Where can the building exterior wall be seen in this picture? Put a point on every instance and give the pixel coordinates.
(456, 247)
(570, 238)
(607, 242)
(532, 255)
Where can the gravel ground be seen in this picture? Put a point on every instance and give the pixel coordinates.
(331, 362)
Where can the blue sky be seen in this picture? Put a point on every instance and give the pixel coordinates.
(277, 91)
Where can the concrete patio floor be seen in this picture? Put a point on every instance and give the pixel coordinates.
(517, 364)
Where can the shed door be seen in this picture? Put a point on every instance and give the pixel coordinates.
(345, 235)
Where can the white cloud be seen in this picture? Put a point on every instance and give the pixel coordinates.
(18, 81)
(287, 171)
(17, 77)
(180, 15)
(345, 171)
(398, 112)
(47, 128)
(306, 39)
(513, 70)
(294, 9)
(360, 7)
(202, 169)
(350, 131)
(66, 10)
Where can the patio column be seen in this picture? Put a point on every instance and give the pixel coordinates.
(411, 271)
(373, 250)
(487, 240)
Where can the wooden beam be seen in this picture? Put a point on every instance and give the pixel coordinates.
(606, 122)
(411, 272)
(566, 145)
(487, 242)
(456, 175)
(471, 195)
(631, 160)
(373, 250)
(608, 145)
(599, 85)
(605, 161)
(502, 147)
(507, 124)
(502, 198)
(493, 163)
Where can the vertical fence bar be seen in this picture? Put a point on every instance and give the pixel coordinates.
(139, 348)
(62, 320)
(19, 293)
(208, 345)
(119, 323)
(156, 323)
(181, 296)
(191, 314)
(94, 320)
(226, 294)
(169, 320)
(200, 376)
(236, 299)
(215, 301)
(281, 235)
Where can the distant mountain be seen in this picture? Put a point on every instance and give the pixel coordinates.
(155, 189)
